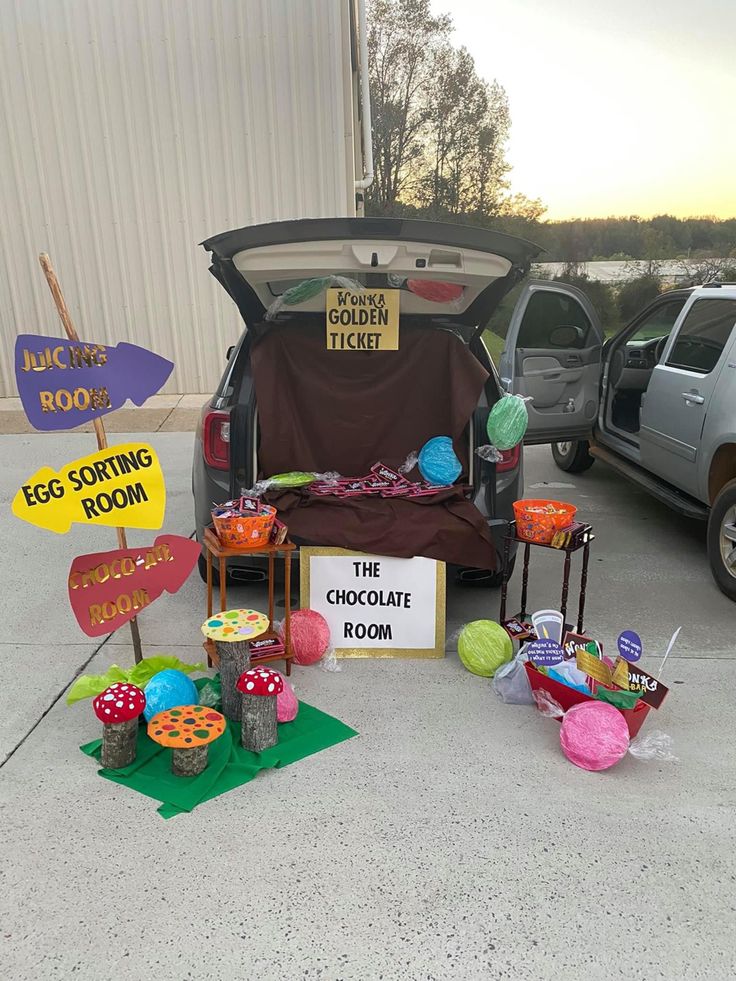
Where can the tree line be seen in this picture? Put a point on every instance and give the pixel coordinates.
(440, 133)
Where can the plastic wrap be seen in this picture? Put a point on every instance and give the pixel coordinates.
(489, 453)
(511, 682)
(308, 289)
(409, 463)
(653, 745)
(329, 661)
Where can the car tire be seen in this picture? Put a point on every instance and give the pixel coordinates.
(573, 456)
(722, 540)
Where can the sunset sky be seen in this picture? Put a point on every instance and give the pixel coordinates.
(617, 106)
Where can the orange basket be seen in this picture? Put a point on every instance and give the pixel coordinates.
(538, 521)
(246, 530)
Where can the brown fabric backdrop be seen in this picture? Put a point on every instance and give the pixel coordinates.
(325, 410)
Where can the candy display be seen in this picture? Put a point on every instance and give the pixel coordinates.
(438, 463)
(244, 523)
(259, 688)
(310, 636)
(187, 730)
(507, 422)
(232, 631)
(166, 690)
(483, 646)
(118, 709)
(538, 521)
(382, 481)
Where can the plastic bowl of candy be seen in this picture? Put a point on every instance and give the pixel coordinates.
(538, 521)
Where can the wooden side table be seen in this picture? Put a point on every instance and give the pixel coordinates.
(582, 539)
(216, 550)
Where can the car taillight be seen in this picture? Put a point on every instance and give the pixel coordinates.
(216, 440)
(509, 459)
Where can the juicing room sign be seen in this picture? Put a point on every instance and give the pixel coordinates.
(376, 606)
(364, 321)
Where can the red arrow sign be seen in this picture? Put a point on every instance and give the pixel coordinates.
(107, 589)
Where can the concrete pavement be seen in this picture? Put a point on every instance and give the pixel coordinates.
(450, 841)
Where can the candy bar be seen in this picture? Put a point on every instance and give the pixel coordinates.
(386, 473)
(270, 646)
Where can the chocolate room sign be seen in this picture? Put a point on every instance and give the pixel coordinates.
(63, 384)
(120, 485)
(376, 606)
(106, 589)
(364, 321)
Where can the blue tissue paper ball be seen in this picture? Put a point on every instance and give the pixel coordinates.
(437, 461)
(167, 690)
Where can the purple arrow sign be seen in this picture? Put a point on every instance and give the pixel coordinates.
(63, 384)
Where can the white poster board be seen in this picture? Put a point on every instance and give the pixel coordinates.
(376, 606)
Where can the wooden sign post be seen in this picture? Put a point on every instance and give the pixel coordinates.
(71, 333)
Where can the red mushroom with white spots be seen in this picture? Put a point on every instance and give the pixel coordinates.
(260, 688)
(118, 709)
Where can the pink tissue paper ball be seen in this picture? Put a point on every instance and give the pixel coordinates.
(594, 735)
(310, 636)
(287, 704)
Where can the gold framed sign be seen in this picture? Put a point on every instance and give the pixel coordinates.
(376, 605)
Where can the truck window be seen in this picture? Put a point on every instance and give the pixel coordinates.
(703, 335)
(545, 312)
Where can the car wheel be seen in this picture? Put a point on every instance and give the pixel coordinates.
(722, 540)
(572, 456)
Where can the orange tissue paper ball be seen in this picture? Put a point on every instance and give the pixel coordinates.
(310, 636)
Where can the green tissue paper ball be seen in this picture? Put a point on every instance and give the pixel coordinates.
(483, 646)
(507, 422)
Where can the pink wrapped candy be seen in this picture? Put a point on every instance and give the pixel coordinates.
(310, 636)
(594, 735)
(287, 704)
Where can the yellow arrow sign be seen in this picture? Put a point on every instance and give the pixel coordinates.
(120, 485)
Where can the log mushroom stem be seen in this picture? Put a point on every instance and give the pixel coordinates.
(259, 728)
(189, 762)
(119, 741)
(234, 658)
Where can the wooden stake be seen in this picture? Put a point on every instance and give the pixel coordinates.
(71, 333)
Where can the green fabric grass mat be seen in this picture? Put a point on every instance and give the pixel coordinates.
(229, 765)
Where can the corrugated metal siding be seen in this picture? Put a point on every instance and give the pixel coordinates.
(132, 130)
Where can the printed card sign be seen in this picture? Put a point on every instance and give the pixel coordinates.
(364, 321)
(63, 384)
(107, 589)
(629, 645)
(376, 606)
(650, 690)
(545, 651)
(120, 485)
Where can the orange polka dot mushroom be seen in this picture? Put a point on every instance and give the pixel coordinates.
(187, 730)
(118, 708)
(259, 687)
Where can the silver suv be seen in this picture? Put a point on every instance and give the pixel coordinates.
(657, 402)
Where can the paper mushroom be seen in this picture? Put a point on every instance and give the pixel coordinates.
(118, 708)
(232, 631)
(187, 730)
(438, 463)
(260, 688)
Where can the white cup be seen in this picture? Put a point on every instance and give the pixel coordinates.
(548, 623)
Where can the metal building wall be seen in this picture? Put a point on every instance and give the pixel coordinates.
(130, 130)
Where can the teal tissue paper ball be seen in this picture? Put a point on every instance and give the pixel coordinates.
(167, 690)
(507, 422)
(437, 461)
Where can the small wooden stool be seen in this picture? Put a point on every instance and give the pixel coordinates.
(215, 549)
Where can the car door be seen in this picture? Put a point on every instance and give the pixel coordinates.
(552, 354)
(676, 402)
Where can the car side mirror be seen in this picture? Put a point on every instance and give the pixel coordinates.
(229, 353)
(567, 336)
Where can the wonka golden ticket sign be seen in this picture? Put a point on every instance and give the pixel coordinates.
(63, 384)
(106, 589)
(365, 321)
(120, 485)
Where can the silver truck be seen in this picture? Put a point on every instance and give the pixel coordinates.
(657, 402)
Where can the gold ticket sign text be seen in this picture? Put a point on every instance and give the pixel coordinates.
(120, 485)
(363, 321)
(594, 667)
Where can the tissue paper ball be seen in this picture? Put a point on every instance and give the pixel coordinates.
(483, 646)
(437, 461)
(310, 636)
(594, 735)
(287, 704)
(168, 689)
(507, 422)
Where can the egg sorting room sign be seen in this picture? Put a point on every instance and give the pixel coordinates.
(119, 485)
(376, 606)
